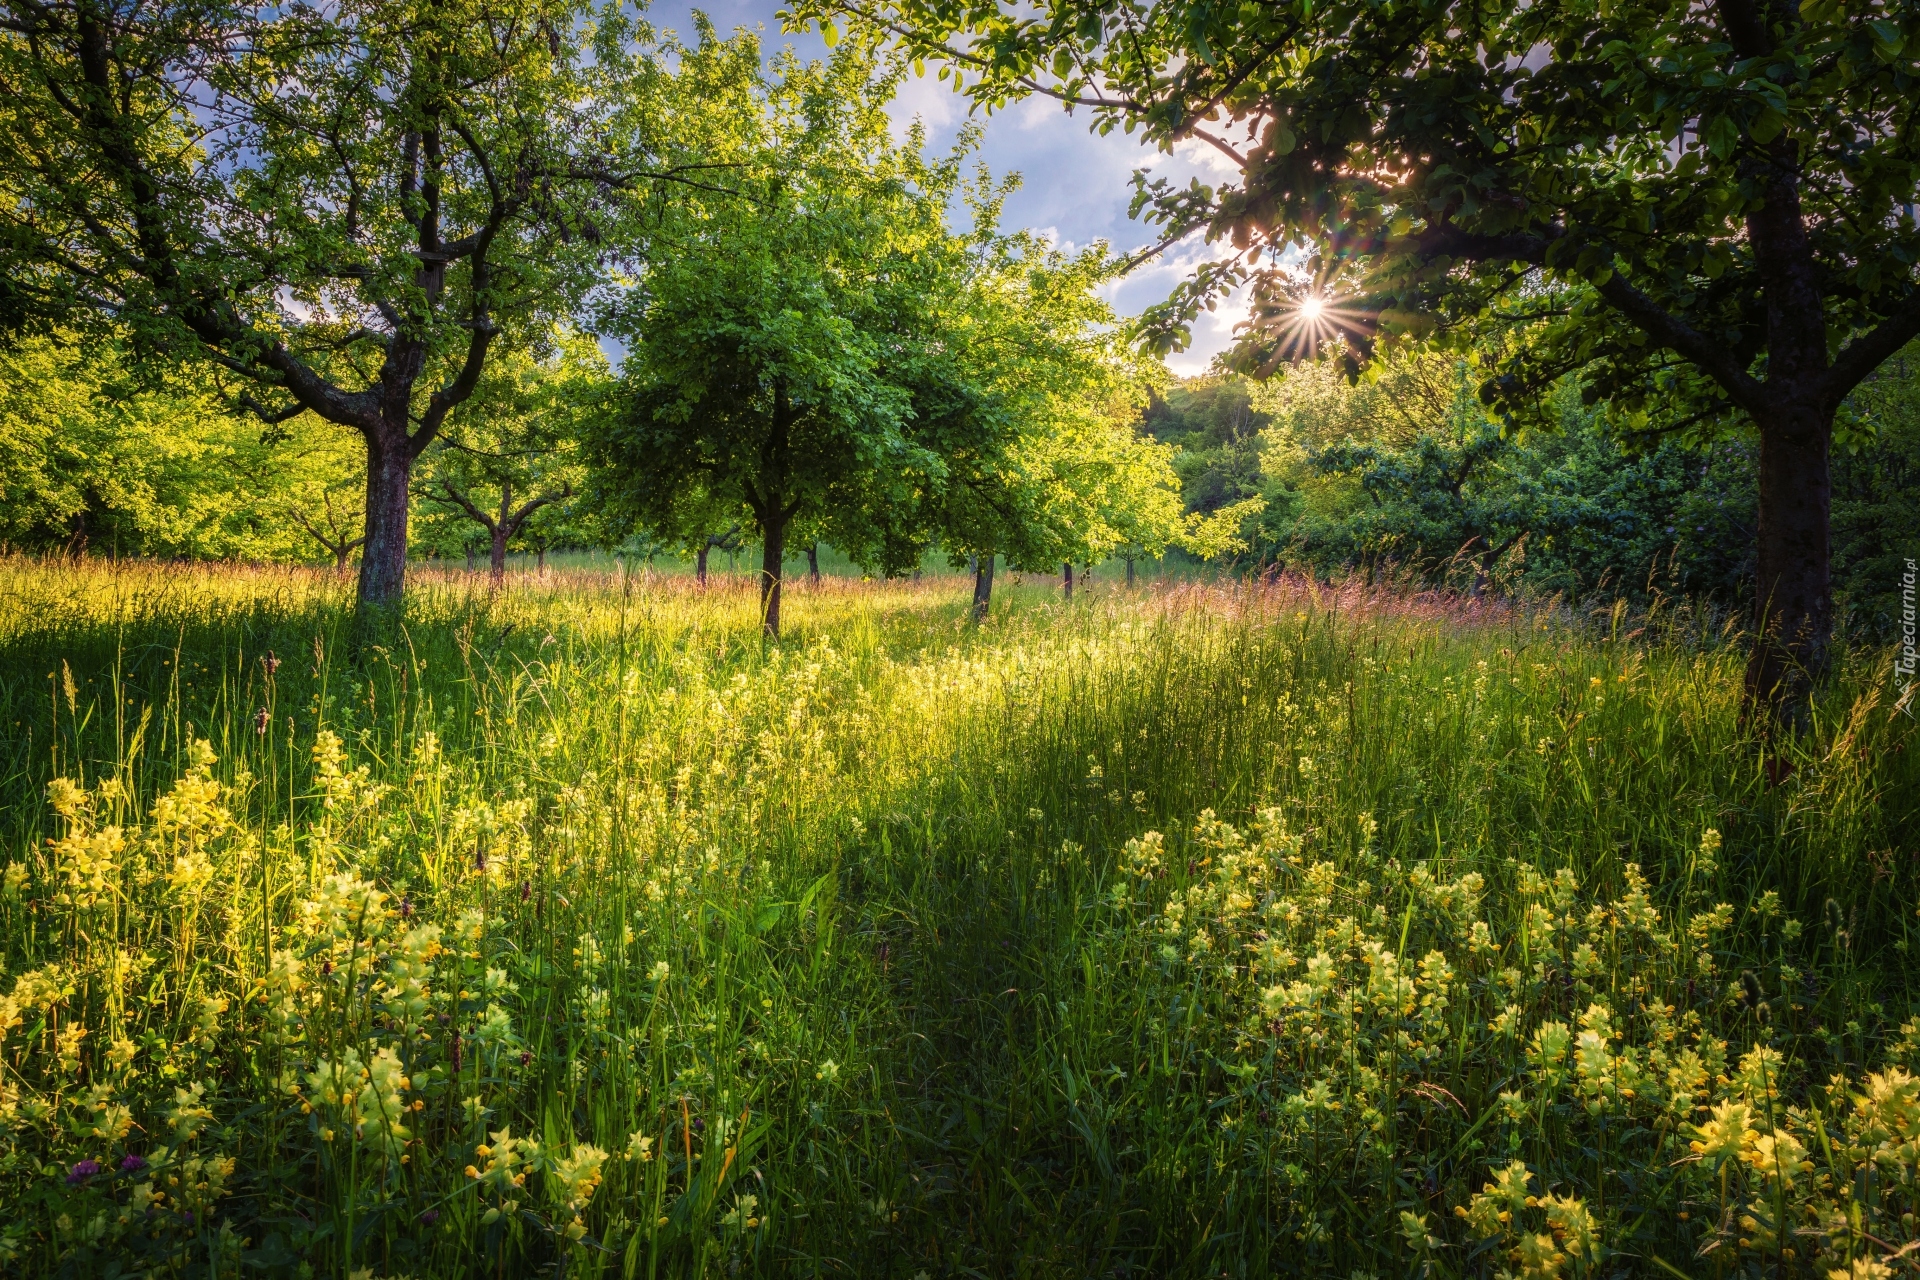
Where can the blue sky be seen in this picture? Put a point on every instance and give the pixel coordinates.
(1075, 183)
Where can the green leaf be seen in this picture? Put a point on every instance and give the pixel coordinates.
(1721, 136)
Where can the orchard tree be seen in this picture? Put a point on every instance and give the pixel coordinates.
(1039, 463)
(777, 338)
(343, 205)
(511, 457)
(325, 506)
(1703, 213)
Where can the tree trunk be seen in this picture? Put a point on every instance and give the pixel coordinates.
(497, 553)
(813, 564)
(540, 559)
(468, 547)
(1129, 571)
(772, 554)
(1793, 604)
(1066, 580)
(700, 565)
(982, 586)
(383, 558)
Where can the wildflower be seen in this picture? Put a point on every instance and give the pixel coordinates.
(346, 907)
(66, 1047)
(13, 880)
(573, 1178)
(133, 1164)
(829, 1071)
(189, 1112)
(660, 971)
(1550, 1042)
(1726, 1134)
(82, 1171)
(1143, 854)
(1538, 1258)
(1777, 1157)
(1574, 1226)
(107, 1121)
(406, 990)
(505, 1155)
(639, 1147)
(66, 797)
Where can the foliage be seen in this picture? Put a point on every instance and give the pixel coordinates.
(819, 348)
(1402, 466)
(1875, 476)
(861, 950)
(1214, 424)
(509, 465)
(1702, 214)
(95, 454)
(775, 347)
(340, 206)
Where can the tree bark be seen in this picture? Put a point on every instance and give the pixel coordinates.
(700, 564)
(1066, 580)
(773, 535)
(497, 552)
(1129, 571)
(982, 586)
(1793, 605)
(383, 559)
(813, 564)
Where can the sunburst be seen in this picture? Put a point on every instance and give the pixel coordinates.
(1300, 320)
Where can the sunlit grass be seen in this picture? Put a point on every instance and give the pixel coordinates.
(1172, 932)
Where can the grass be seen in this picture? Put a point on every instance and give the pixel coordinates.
(1192, 931)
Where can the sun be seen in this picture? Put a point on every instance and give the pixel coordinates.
(1310, 309)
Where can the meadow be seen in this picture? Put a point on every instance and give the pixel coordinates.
(1192, 930)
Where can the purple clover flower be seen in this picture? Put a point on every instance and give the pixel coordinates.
(82, 1171)
(133, 1164)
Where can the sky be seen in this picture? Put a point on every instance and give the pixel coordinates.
(1075, 184)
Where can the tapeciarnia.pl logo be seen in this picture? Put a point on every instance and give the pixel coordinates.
(1903, 666)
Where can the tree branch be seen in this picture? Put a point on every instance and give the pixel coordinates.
(1869, 351)
(466, 504)
(1713, 357)
(519, 517)
(272, 417)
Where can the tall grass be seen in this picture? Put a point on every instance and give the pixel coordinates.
(1201, 930)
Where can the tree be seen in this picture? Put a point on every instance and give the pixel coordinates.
(336, 526)
(514, 446)
(778, 342)
(1033, 427)
(1703, 213)
(342, 206)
